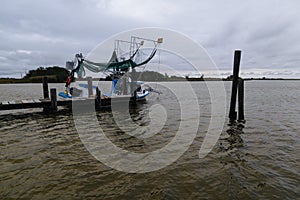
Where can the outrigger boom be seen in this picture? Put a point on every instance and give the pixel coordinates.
(117, 67)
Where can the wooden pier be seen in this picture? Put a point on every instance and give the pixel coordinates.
(50, 105)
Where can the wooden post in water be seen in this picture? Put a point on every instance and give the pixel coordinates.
(241, 117)
(53, 100)
(90, 86)
(134, 96)
(45, 87)
(98, 98)
(236, 66)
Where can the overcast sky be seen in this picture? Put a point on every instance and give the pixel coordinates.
(45, 33)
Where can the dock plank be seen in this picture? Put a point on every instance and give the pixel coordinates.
(27, 101)
(46, 103)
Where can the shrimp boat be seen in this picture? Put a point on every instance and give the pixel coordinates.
(120, 69)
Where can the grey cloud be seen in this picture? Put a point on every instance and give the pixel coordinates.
(53, 31)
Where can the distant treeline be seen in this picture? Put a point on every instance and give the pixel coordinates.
(149, 76)
(55, 74)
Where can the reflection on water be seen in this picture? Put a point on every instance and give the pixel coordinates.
(234, 139)
(42, 156)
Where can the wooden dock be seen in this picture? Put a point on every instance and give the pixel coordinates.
(50, 105)
(22, 104)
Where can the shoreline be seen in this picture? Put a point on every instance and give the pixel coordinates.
(22, 81)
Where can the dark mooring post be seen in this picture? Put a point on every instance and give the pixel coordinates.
(53, 100)
(90, 86)
(236, 66)
(45, 87)
(241, 117)
(98, 98)
(134, 96)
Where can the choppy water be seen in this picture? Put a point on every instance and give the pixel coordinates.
(42, 156)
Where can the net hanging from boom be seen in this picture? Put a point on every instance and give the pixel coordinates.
(114, 64)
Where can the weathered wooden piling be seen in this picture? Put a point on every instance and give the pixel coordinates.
(236, 66)
(98, 98)
(46, 107)
(53, 99)
(45, 87)
(90, 86)
(50, 106)
(241, 117)
(134, 96)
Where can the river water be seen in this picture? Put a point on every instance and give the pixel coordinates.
(43, 156)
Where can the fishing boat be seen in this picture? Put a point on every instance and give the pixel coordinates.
(120, 69)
